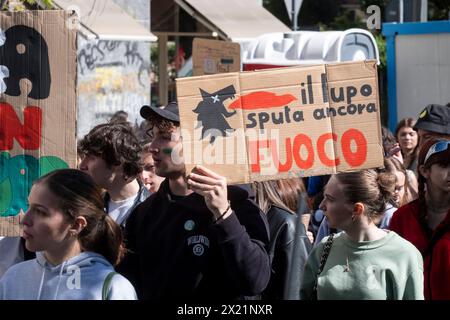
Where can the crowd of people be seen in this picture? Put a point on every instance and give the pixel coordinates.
(130, 223)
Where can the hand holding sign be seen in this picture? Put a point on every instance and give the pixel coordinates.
(213, 188)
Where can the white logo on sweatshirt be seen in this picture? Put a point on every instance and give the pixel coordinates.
(74, 280)
(199, 242)
(198, 239)
(198, 249)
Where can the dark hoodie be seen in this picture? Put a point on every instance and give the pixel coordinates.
(177, 252)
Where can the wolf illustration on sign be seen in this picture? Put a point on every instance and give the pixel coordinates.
(212, 113)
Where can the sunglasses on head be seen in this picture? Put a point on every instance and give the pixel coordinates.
(436, 148)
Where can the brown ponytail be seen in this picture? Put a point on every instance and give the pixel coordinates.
(104, 238)
(369, 187)
(79, 196)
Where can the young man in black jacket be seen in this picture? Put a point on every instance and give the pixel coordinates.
(196, 238)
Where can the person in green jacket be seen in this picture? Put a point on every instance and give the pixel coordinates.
(364, 262)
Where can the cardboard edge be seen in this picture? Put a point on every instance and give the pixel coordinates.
(380, 140)
(206, 77)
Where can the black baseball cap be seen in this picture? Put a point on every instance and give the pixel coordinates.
(169, 112)
(434, 118)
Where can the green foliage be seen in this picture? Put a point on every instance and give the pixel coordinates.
(381, 44)
(380, 3)
(330, 15)
(438, 9)
(154, 56)
(313, 13)
(346, 21)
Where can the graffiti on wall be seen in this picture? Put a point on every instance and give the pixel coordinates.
(104, 54)
(113, 76)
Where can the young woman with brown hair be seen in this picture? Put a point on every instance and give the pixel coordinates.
(402, 192)
(362, 261)
(77, 244)
(408, 140)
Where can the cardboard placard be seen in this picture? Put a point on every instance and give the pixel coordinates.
(215, 56)
(280, 123)
(37, 105)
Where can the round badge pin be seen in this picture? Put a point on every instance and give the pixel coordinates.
(189, 225)
(198, 249)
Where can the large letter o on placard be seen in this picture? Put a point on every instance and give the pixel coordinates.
(300, 140)
(357, 158)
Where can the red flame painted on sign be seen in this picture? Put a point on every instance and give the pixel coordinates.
(261, 100)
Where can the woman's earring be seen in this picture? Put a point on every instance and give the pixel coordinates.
(353, 217)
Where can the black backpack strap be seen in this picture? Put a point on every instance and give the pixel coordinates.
(323, 260)
(325, 253)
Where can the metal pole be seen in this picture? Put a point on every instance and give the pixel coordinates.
(294, 21)
(424, 11)
(163, 78)
(400, 10)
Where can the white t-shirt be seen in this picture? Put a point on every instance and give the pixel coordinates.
(10, 253)
(118, 210)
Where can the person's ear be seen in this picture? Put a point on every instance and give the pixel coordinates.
(358, 210)
(78, 225)
(119, 170)
(425, 172)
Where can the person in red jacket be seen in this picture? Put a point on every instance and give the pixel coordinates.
(425, 222)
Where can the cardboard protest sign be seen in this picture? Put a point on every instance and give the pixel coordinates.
(37, 105)
(280, 123)
(215, 56)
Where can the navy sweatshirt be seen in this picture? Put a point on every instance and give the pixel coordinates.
(177, 252)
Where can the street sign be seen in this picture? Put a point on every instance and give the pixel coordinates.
(293, 14)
